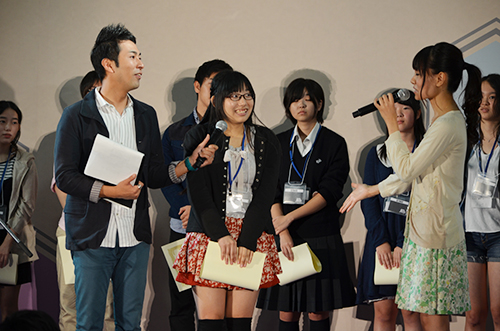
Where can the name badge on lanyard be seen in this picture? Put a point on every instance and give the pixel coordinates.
(484, 185)
(297, 193)
(236, 201)
(398, 204)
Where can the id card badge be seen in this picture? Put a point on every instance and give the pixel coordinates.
(397, 204)
(483, 202)
(484, 189)
(484, 186)
(295, 194)
(237, 202)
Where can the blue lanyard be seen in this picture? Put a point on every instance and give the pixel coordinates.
(489, 158)
(3, 175)
(231, 180)
(292, 143)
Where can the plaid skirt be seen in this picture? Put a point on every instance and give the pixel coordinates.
(190, 258)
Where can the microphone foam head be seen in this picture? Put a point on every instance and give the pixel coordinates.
(403, 94)
(221, 125)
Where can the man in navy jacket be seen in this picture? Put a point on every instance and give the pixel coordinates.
(109, 241)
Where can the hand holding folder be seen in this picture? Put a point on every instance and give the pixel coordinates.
(217, 270)
(383, 276)
(305, 263)
(112, 163)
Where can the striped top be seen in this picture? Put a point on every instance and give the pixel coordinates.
(121, 130)
(10, 168)
(7, 185)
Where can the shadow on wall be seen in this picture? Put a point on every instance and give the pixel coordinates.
(7, 93)
(363, 153)
(181, 100)
(180, 95)
(48, 209)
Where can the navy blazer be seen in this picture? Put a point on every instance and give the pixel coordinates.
(174, 151)
(87, 222)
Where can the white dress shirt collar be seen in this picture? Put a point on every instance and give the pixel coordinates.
(305, 146)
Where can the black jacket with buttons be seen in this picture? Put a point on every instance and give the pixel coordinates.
(207, 187)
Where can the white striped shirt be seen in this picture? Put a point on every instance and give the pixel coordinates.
(121, 129)
(10, 168)
(8, 174)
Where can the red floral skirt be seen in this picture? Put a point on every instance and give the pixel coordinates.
(190, 258)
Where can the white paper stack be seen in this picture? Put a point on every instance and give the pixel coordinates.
(8, 274)
(170, 252)
(67, 261)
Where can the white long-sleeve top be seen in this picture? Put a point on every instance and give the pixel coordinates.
(435, 172)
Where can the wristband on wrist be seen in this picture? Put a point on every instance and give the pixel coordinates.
(188, 165)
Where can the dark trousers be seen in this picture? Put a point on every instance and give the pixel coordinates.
(182, 306)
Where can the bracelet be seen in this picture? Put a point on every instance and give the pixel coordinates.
(188, 165)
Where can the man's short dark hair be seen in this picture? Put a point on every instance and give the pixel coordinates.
(88, 82)
(208, 68)
(107, 46)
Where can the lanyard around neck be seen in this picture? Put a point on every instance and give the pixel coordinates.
(292, 164)
(231, 180)
(489, 158)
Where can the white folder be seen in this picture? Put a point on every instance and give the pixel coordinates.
(305, 263)
(215, 269)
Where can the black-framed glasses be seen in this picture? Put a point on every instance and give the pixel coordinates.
(237, 96)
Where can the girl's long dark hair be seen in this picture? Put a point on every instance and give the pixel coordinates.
(223, 84)
(447, 58)
(4, 105)
(418, 124)
(494, 81)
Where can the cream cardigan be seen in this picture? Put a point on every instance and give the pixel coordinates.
(435, 173)
(22, 203)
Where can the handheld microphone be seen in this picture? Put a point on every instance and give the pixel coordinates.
(399, 95)
(220, 127)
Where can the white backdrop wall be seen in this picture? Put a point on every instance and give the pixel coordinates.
(354, 48)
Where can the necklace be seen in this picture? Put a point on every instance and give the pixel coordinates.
(488, 140)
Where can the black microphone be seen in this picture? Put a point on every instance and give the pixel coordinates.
(220, 127)
(399, 95)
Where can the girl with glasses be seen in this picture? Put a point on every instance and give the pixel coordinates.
(230, 201)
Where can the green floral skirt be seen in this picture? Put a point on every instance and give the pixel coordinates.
(433, 281)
